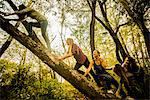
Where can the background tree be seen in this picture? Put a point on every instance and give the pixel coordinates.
(92, 24)
(138, 11)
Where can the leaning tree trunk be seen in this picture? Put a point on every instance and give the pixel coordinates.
(77, 80)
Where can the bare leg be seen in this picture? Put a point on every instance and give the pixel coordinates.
(44, 33)
(43, 26)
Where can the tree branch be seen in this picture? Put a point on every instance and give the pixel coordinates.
(25, 23)
(101, 22)
(89, 4)
(105, 16)
(92, 24)
(117, 29)
(104, 1)
(5, 45)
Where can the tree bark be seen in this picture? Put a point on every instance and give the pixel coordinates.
(92, 24)
(77, 80)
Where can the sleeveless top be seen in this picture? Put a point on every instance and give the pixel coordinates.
(80, 58)
(99, 69)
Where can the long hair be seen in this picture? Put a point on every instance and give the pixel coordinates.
(70, 40)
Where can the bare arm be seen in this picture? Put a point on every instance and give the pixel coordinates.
(103, 63)
(67, 54)
(89, 68)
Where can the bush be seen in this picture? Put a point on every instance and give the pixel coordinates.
(19, 82)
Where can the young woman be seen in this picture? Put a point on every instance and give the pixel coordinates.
(81, 58)
(104, 78)
(41, 20)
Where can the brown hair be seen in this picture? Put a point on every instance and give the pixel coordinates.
(97, 52)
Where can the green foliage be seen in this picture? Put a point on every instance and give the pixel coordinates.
(7, 69)
(20, 82)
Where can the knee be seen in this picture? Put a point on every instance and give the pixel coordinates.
(44, 23)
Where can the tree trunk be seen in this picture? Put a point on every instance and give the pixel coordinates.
(92, 27)
(77, 80)
(140, 23)
(62, 26)
(5, 45)
(146, 35)
(120, 52)
(92, 24)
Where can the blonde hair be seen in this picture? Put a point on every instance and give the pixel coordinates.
(69, 40)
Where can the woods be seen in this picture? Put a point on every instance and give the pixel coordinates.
(117, 28)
